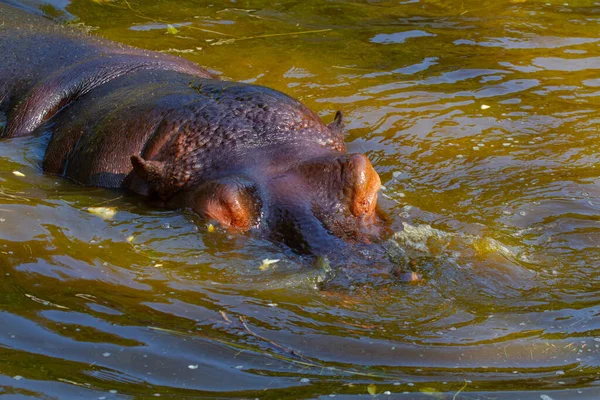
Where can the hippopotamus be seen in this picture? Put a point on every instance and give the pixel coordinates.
(248, 157)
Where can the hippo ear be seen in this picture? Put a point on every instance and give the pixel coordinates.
(361, 184)
(152, 172)
(337, 125)
(233, 204)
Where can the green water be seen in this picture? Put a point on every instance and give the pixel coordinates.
(481, 118)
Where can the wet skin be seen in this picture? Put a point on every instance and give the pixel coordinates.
(249, 157)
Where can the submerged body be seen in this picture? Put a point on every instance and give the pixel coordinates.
(247, 156)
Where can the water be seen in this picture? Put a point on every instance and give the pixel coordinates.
(481, 118)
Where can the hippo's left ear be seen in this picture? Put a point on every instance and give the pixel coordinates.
(148, 170)
(151, 172)
(337, 126)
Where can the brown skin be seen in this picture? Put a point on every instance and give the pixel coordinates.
(248, 157)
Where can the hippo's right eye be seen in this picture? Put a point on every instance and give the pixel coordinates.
(361, 184)
(234, 203)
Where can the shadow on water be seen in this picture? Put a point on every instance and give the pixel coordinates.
(481, 118)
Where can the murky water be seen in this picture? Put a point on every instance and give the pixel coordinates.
(481, 118)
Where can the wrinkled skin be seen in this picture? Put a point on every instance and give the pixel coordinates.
(248, 157)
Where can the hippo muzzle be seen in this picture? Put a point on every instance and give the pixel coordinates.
(323, 208)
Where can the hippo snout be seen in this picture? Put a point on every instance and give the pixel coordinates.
(363, 266)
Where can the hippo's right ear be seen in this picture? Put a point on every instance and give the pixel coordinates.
(152, 172)
(337, 126)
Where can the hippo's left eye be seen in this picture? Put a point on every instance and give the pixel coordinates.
(234, 203)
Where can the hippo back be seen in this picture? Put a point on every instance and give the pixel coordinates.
(193, 129)
(46, 66)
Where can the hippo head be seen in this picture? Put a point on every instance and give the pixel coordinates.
(255, 160)
(314, 199)
(314, 206)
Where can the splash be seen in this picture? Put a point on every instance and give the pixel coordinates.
(425, 239)
(456, 262)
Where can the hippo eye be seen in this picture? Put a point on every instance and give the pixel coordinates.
(234, 203)
(360, 185)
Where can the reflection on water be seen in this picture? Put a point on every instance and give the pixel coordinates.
(480, 116)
